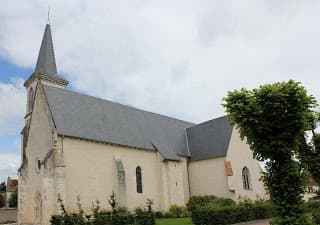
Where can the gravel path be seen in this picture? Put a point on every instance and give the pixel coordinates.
(258, 222)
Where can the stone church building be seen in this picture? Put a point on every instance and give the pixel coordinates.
(78, 145)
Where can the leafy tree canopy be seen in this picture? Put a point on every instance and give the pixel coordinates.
(273, 118)
(13, 200)
(2, 201)
(3, 187)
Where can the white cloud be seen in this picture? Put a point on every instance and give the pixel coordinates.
(173, 57)
(12, 101)
(9, 163)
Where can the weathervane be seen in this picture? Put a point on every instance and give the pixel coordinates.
(49, 15)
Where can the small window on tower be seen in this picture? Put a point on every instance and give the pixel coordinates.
(38, 165)
(139, 179)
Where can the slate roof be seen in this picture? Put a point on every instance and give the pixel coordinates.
(46, 63)
(82, 116)
(209, 139)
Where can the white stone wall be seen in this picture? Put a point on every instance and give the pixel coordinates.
(30, 181)
(91, 174)
(240, 156)
(175, 186)
(208, 177)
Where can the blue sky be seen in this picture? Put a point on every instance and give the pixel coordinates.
(177, 58)
(8, 72)
(10, 140)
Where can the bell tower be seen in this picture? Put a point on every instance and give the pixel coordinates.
(45, 71)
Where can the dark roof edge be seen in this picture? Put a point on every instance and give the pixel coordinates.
(208, 121)
(105, 142)
(207, 158)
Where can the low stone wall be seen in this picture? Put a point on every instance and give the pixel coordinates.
(8, 214)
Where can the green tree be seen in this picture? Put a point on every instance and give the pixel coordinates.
(309, 152)
(13, 200)
(2, 201)
(3, 187)
(273, 118)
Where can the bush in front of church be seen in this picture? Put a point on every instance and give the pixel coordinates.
(145, 216)
(229, 214)
(207, 200)
(13, 200)
(116, 216)
(176, 211)
(2, 200)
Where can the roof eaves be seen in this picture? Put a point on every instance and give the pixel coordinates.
(105, 142)
(207, 157)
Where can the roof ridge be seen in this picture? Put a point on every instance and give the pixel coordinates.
(120, 104)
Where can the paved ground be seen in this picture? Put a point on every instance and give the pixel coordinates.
(260, 222)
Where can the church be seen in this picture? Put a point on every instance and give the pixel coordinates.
(78, 145)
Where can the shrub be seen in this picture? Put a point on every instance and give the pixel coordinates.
(159, 215)
(311, 205)
(122, 217)
(117, 216)
(316, 216)
(176, 211)
(3, 187)
(2, 201)
(145, 216)
(186, 212)
(57, 220)
(207, 200)
(13, 200)
(224, 202)
(244, 211)
(196, 201)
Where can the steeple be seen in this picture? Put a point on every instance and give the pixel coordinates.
(46, 63)
(46, 68)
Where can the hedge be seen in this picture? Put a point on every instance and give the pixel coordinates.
(117, 216)
(217, 215)
(208, 200)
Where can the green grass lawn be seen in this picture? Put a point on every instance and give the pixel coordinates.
(174, 221)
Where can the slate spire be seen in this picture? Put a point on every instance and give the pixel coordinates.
(46, 69)
(46, 63)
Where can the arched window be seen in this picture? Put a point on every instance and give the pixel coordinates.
(246, 178)
(139, 179)
(30, 99)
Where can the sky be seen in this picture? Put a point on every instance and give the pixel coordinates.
(174, 57)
